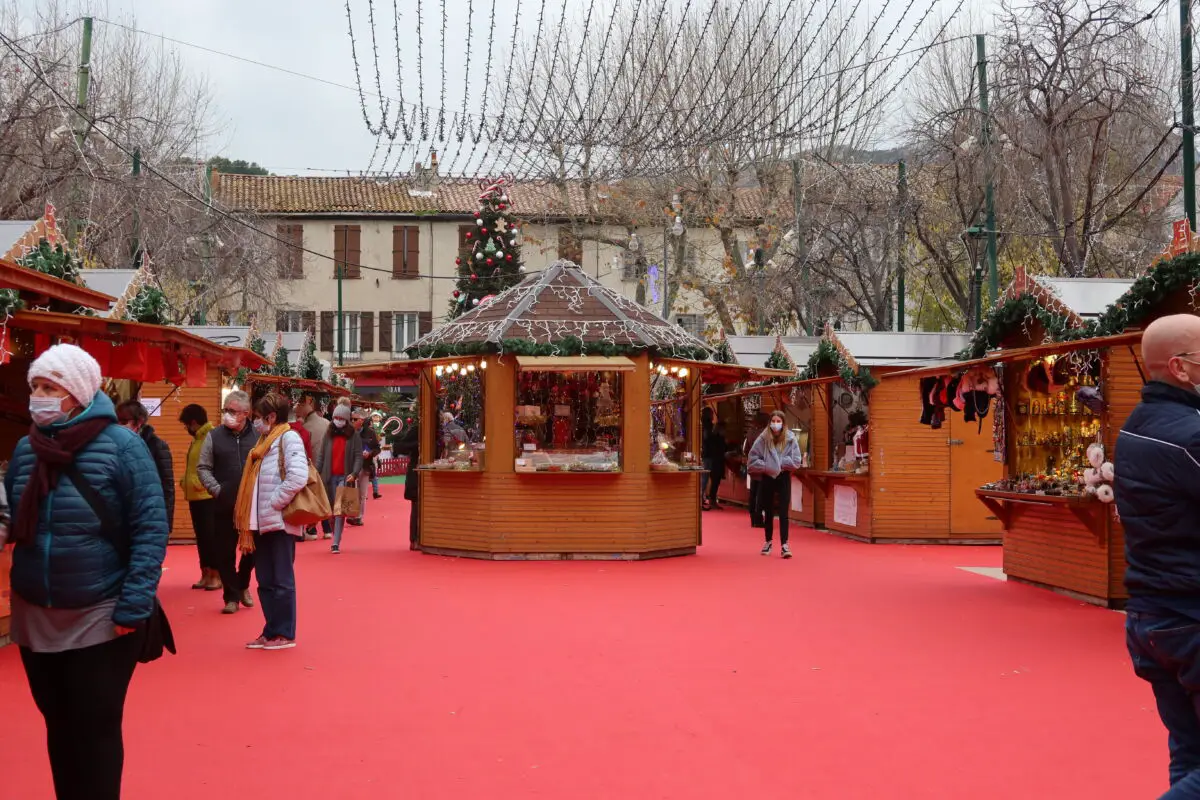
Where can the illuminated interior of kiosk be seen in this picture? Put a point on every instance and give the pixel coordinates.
(848, 418)
(568, 421)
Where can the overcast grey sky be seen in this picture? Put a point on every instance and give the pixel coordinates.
(293, 125)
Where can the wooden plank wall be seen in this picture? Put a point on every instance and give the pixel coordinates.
(168, 428)
(910, 466)
(559, 513)
(1049, 545)
(1123, 391)
(821, 454)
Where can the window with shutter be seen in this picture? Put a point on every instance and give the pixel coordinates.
(327, 328)
(291, 251)
(281, 320)
(406, 251)
(339, 249)
(351, 334)
(406, 329)
(424, 322)
(385, 332)
(367, 324)
(570, 247)
(308, 321)
(353, 251)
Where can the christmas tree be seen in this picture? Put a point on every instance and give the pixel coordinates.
(258, 345)
(310, 365)
(494, 263)
(282, 367)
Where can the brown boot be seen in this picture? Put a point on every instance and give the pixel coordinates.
(203, 582)
(214, 581)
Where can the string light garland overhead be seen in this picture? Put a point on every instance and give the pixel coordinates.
(622, 89)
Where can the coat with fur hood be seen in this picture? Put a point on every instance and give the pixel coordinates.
(766, 460)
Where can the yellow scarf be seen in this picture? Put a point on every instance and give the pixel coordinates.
(249, 485)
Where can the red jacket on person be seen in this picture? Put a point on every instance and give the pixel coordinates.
(299, 428)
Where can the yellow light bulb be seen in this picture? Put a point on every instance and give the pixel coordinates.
(438, 370)
(483, 364)
(470, 367)
(683, 372)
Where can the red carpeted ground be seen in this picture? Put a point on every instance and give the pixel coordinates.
(852, 671)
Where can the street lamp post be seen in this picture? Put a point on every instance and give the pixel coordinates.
(972, 237)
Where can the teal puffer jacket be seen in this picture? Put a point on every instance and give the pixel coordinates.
(69, 563)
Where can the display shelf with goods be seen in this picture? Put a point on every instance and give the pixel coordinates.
(458, 391)
(566, 406)
(675, 445)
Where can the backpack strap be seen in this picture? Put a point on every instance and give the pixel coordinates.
(109, 527)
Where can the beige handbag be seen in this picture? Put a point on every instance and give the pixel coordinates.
(311, 504)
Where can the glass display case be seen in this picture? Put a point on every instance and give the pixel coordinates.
(568, 421)
(459, 391)
(848, 430)
(673, 444)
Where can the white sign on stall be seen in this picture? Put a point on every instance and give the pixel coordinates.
(797, 495)
(153, 405)
(845, 506)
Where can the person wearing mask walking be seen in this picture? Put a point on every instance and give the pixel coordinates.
(370, 449)
(1157, 487)
(200, 503)
(317, 427)
(752, 502)
(90, 531)
(222, 461)
(133, 415)
(713, 451)
(275, 472)
(774, 454)
(339, 463)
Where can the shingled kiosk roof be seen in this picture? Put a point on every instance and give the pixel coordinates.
(559, 311)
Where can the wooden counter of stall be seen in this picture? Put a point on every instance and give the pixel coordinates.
(916, 485)
(1057, 535)
(551, 456)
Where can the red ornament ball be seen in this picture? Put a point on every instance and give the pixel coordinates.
(470, 234)
(456, 293)
(474, 277)
(484, 231)
(508, 257)
(490, 262)
(458, 261)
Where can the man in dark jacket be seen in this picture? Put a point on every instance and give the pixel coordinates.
(222, 460)
(133, 415)
(1157, 487)
(371, 447)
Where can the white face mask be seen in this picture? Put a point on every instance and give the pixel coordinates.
(261, 427)
(777, 426)
(231, 421)
(339, 423)
(46, 410)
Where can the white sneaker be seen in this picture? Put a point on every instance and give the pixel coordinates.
(786, 551)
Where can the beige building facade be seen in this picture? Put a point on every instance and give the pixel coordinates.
(397, 248)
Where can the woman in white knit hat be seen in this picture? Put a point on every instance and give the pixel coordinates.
(82, 590)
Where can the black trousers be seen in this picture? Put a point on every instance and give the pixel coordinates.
(716, 472)
(203, 524)
(234, 580)
(775, 497)
(414, 521)
(81, 694)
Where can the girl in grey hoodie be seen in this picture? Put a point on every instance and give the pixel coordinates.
(774, 454)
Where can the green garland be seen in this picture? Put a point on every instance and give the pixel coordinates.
(827, 355)
(1166, 279)
(1006, 317)
(568, 346)
(778, 360)
(10, 302)
(55, 261)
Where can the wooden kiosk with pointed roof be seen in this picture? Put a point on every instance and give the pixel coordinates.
(557, 465)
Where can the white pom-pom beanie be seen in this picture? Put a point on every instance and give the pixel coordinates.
(71, 368)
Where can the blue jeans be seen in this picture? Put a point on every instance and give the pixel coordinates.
(1165, 648)
(276, 567)
(339, 522)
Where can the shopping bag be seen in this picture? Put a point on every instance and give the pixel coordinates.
(310, 505)
(345, 503)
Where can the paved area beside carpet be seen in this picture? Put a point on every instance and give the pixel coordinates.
(851, 671)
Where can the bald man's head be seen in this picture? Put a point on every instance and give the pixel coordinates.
(1171, 350)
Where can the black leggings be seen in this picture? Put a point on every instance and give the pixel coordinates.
(81, 694)
(775, 497)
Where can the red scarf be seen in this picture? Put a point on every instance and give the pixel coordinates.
(52, 453)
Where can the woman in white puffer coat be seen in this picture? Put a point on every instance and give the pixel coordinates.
(275, 472)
